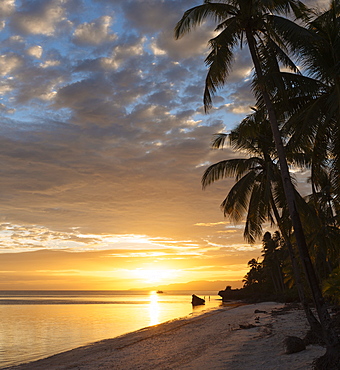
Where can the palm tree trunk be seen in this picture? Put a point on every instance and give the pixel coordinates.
(330, 336)
(279, 275)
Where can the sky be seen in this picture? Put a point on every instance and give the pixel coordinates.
(104, 142)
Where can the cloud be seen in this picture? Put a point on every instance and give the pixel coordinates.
(61, 178)
(194, 44)
(40, 18)
(35, 51)
(240, 100)
(130, 48)
(95, 33)
(7, 7)
(104, 141)
(151, 16)
(18, 238)
(209, 224)
(9, 63)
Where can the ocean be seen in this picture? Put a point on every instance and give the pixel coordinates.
(37, 324)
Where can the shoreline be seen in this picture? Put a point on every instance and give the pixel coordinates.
(212, 340)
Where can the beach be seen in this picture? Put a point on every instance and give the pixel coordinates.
(211, 340)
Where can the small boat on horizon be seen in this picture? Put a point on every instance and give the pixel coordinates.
(159, 291)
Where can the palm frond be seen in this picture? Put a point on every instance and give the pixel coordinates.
(297, 8)
(219, 140)
(294, 35)
(257, 214)
(229, 168)
(235, 205)
(195, 16)
(220, 60)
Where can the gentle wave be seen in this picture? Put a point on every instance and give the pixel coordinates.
(36, 324)
(69, 293)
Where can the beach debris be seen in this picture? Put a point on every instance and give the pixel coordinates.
(259, 311)
(293, 345)
(247, 326)
(197, 301)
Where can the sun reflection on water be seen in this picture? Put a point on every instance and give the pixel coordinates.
(154, 309)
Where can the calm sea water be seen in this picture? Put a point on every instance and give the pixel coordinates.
(36, 324)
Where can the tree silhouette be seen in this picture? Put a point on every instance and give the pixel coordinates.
(253, 22)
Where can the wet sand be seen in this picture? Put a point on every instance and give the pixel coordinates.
(212, 340)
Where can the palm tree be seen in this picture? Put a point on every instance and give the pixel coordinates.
(258, 186)
(273, 260)
(331, 286)
(251, 21)
(315, 111)
(254, 276)
(258, 192)
(315, 128)
(325, 235)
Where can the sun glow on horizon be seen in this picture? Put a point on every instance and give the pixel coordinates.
(155, 276)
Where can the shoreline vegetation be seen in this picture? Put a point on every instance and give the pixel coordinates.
(294, 51)
(227, 337)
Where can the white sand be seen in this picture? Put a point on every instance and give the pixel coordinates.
(212, 340)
